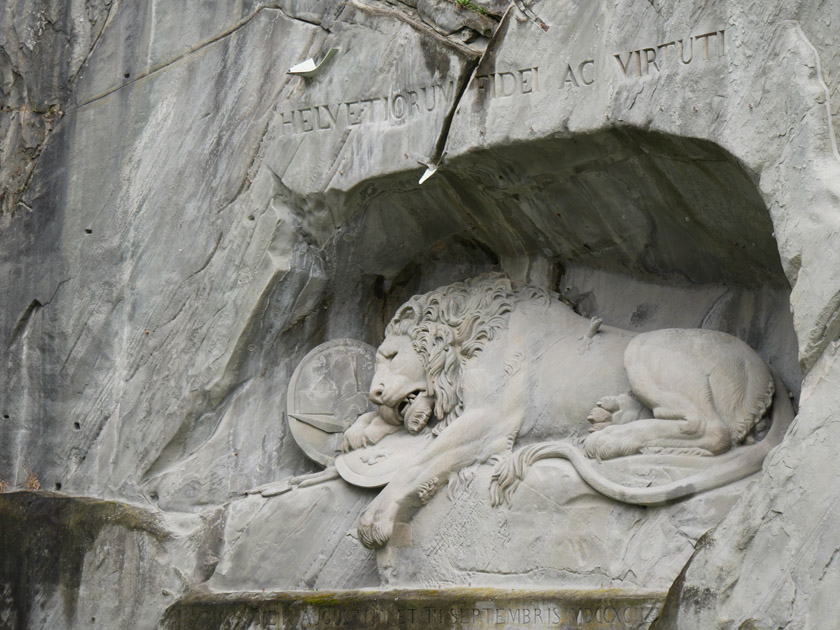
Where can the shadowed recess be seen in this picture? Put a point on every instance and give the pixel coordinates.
(652, 206)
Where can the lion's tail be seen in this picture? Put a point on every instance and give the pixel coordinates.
(739, 463)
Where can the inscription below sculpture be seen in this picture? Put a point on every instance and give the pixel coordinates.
(470, 371)
(413, 610)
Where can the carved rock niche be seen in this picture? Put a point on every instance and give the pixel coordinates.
(643, 230)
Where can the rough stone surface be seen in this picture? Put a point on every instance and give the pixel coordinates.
(448, 17)
(181, 221)
(555, 526)
(86, 563)
(279, 530)
(43, 46)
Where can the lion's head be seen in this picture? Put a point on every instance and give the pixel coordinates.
(427, 343)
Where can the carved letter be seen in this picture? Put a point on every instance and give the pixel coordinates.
(664, 49)
(722, 44)
(624, 65)
(581, 67)
(705, 37)
(306, 118)
(507, 88)
(405, 616)
(426, 92)
(682, 51)
(626, 617)
(372, 109)
(412, 102)
(650, 58)
(570, 77)
(289, 122)
(526, 83)
(481, 81)
(447, 96)
(329, 119)
(354, 113)
(398, 106)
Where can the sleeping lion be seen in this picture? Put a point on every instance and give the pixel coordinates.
(486, 364)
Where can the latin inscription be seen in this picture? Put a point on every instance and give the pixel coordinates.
(643, 61)
(487, 616)
(506, 84)
(406, 104)
(648, 60)
(540, 616)
(394, 108)
(583, 73)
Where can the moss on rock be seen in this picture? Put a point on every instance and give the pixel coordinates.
(44, 538)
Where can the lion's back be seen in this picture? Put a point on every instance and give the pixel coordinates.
(703, 364)
(567, 373)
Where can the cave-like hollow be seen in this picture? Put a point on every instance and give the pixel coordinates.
(643, 229)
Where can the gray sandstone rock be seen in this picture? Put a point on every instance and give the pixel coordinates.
(81, 563)
(448, 16)
(181, 221)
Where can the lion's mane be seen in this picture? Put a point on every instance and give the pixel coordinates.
(453, 324)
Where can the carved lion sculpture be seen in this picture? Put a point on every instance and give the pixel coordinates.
(487, 363)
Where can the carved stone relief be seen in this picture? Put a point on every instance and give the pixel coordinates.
(490, 371)
(208, 220)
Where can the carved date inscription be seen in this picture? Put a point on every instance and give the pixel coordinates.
(411, 616)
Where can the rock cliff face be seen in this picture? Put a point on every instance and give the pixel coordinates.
(181, 221)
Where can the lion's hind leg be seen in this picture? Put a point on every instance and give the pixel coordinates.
(680, 423)
(612, 410)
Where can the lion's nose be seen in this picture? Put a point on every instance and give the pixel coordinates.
(376, 394)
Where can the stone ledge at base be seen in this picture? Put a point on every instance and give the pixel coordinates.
(70, 562)
(440, 609)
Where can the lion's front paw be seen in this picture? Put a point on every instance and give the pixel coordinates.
(354, 437)
(376, 523)
(611, 442)
(378, 430)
